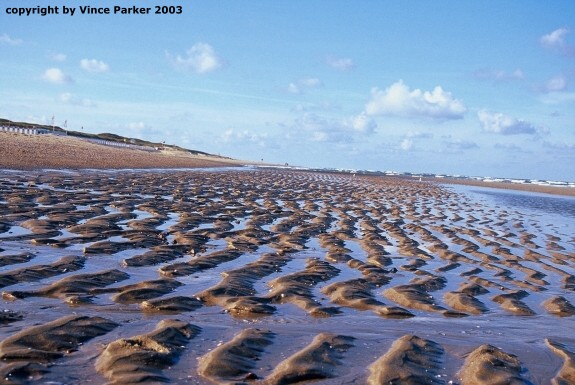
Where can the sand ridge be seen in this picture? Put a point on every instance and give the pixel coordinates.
(276, 277)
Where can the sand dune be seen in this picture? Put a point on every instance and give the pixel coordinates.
(25, 152)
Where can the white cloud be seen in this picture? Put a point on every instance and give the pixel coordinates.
(557, 146)
(406, 144)
(301, 85)
(6, 39)
(340, 63)
(498, 123)
(320, 106)
(498, 75)
(317, 128)
(94, 66)
(411, 137)
(136, 126)
(361, 123)
(244, 137)
(66, 97)
(509, 147)
(311, 122)
(399, 100)
(320, 136)
(419, 135)
(459, 144)
(201, 59)
(555, 84)
(556, 41)
(69, 98)
(310, 82)
(555, 38)
(293, 89)
(56, 76)
(558, 97)
(59, 57)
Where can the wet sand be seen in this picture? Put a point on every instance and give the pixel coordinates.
(277, 277)
(528, 187)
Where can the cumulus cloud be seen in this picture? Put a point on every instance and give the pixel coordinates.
(56, 76)
(556, 41)
(94, 66)
(317, 128)
(340, 63)
(301, 85)
(7, 40)
(498, 123)
(411, 137)
(69, 98)
(399, 100)
(555, 38)
(361, 123)
(201, 59)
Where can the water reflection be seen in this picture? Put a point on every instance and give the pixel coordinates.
(564, 206)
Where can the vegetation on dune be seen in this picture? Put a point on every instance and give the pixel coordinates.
(103, 136)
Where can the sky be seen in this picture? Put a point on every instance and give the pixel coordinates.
(482, 88)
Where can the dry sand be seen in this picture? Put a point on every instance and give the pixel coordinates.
(277, 277)
(25, 152)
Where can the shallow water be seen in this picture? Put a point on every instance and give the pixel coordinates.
(198, 214)
(527, 202)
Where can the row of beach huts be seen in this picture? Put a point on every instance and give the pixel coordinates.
(24, 130)
(43, 131)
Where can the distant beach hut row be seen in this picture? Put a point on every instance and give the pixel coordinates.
(24, 130)
(39, 131)
(120, 144)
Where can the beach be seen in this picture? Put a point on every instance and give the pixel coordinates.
(25, 152)
(246, 275)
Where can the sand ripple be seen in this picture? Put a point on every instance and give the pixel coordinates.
(141, 359)
(410, 360)
(277, 277)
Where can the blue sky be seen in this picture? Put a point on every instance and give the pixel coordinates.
(471, 88)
